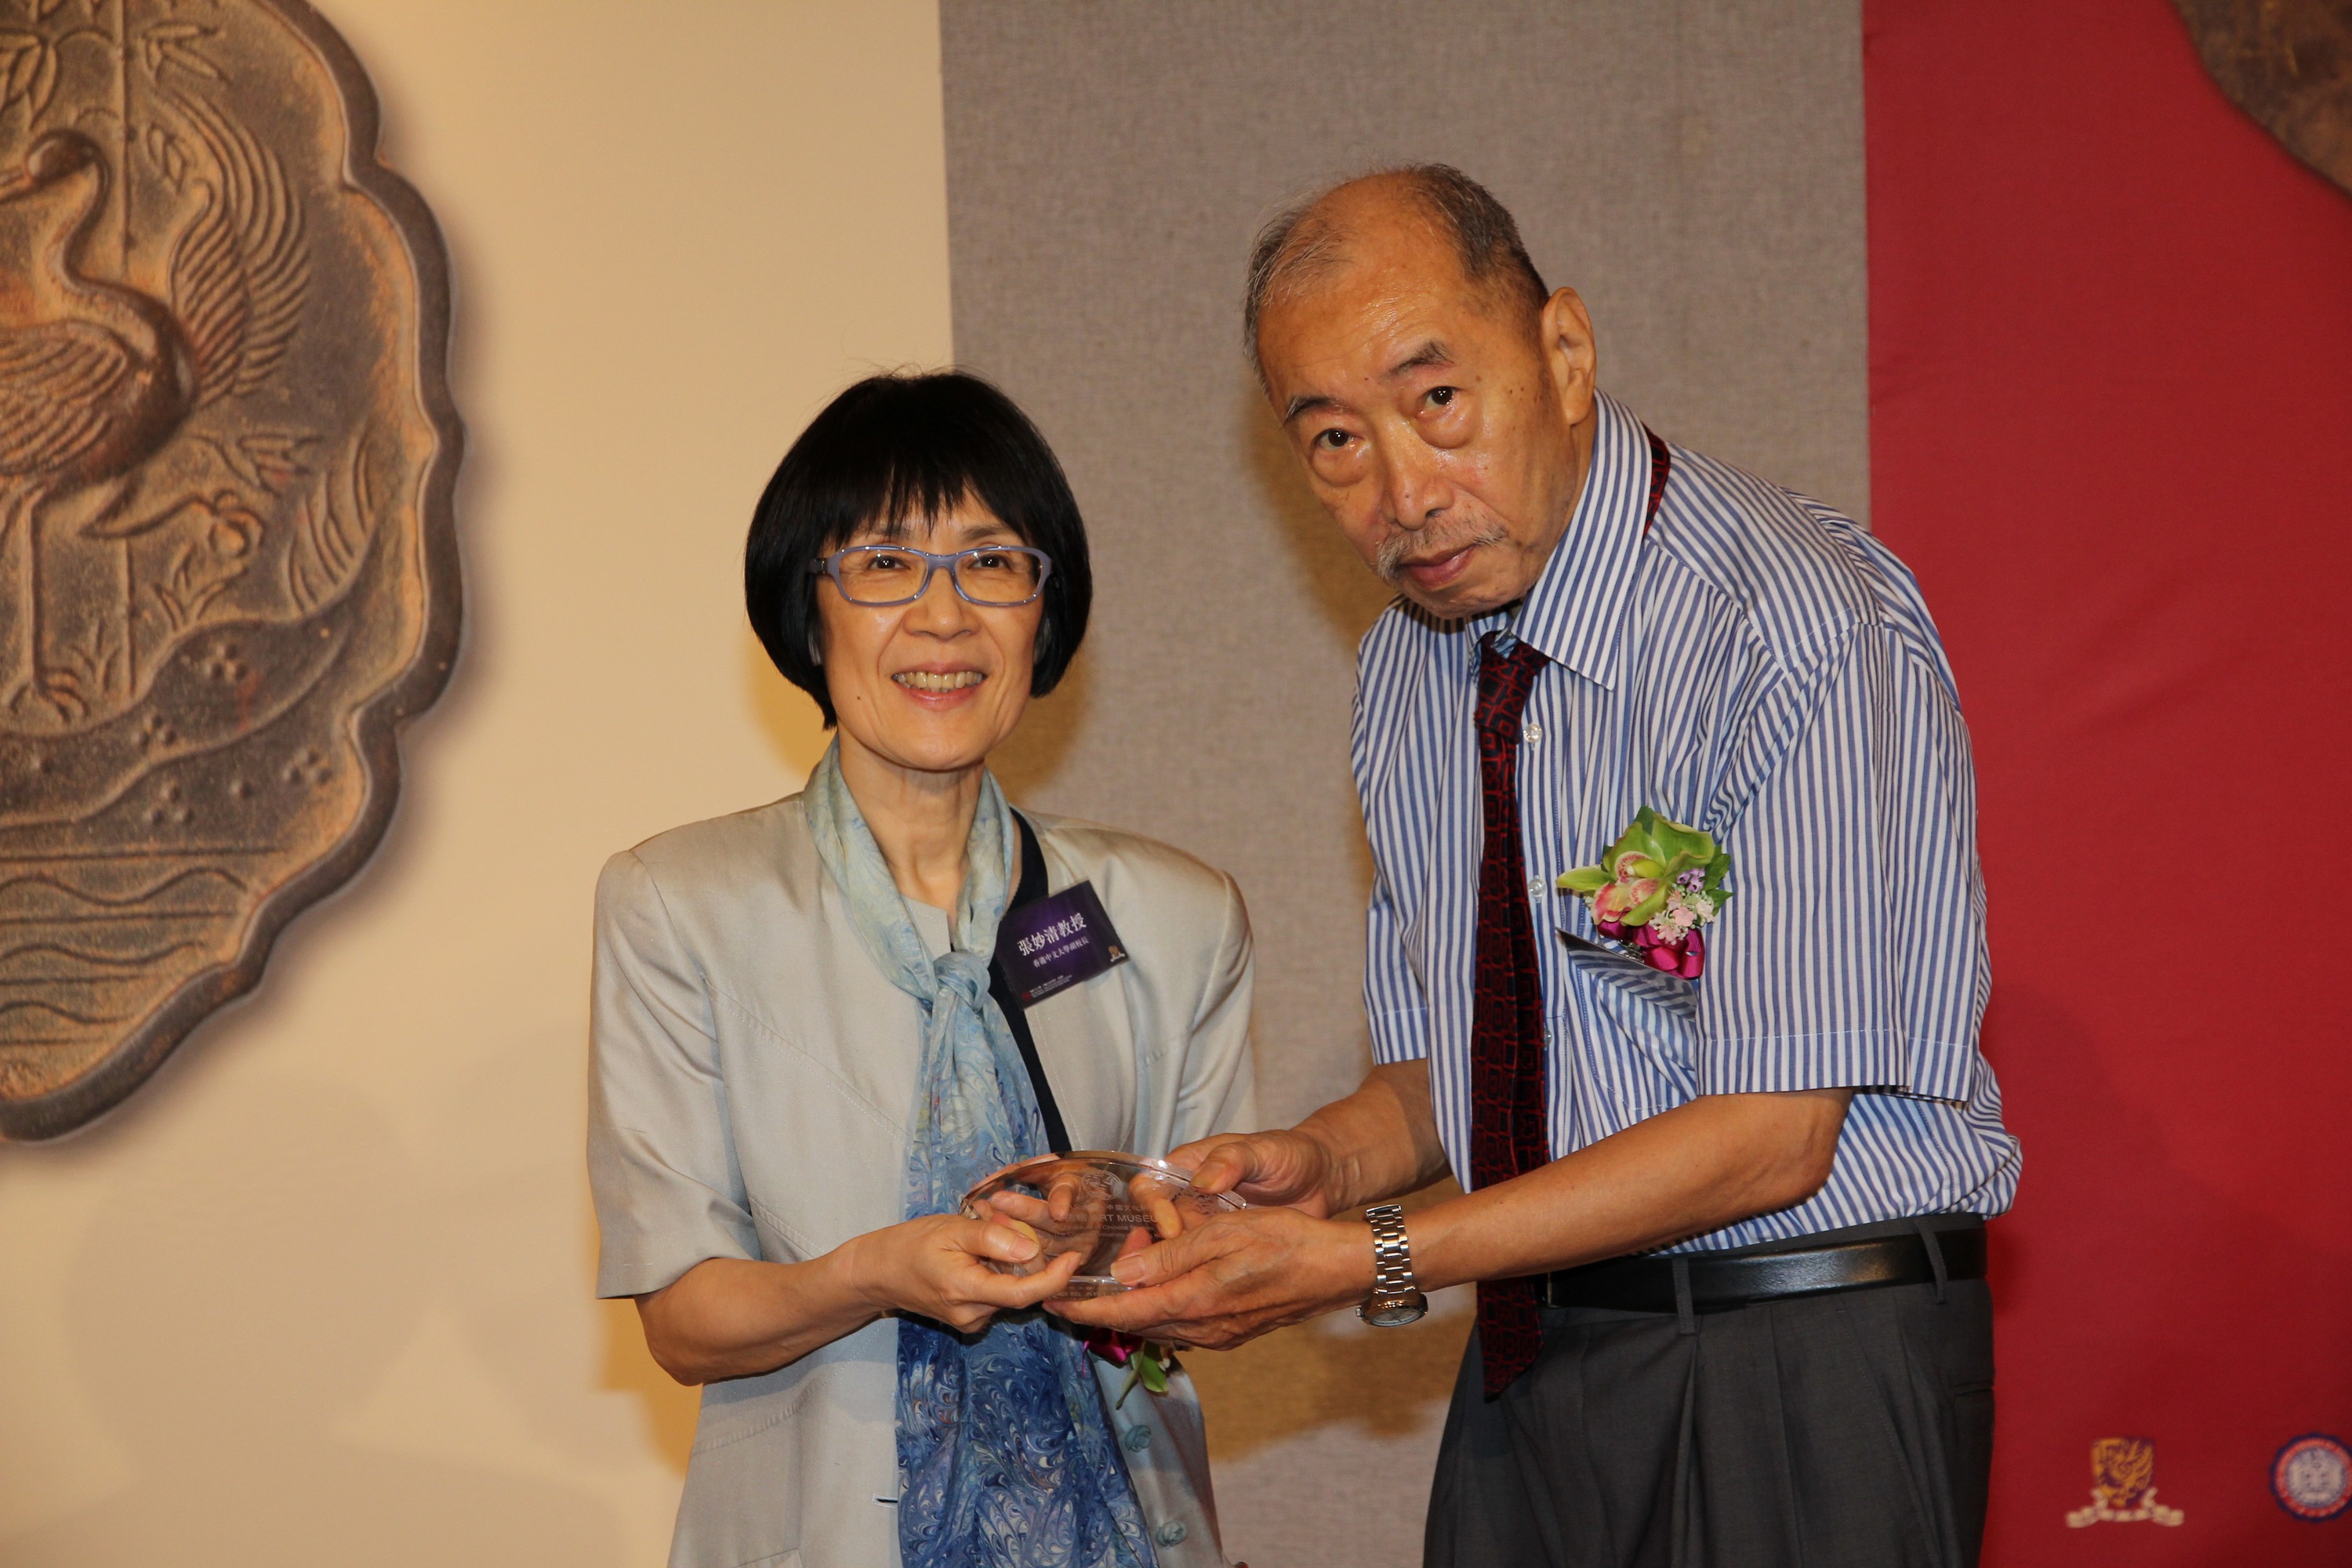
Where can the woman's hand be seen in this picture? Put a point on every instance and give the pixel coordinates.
(938, 1268)
(733, 1317)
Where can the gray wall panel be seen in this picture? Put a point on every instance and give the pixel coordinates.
(1693, 166)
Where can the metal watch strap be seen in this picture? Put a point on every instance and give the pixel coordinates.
(1392, 1254)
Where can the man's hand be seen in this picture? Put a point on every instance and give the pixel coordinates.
(1376, 1143)
(1284, 1167)
(1235, 1277)
(1682, 1173)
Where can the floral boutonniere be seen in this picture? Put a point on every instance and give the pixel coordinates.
(1660, 882)
(1148, 1361)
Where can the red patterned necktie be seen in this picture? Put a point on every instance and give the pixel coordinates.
(1508, 1134)
(1509, 1128)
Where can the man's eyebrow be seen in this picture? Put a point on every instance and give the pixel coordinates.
(1429, 353)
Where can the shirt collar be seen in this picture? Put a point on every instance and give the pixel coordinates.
(1572, 613)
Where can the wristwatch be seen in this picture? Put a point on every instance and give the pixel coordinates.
(1395, 1300)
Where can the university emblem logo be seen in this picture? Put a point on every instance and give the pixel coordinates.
(2312, 1478)
(2123, 1485)
(227, 570)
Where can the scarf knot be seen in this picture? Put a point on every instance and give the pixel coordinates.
(963, 976)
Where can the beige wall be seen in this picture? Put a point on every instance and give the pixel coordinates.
(320, 1294)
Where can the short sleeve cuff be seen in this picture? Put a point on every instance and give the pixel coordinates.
(1782, 1064)
(1941, 1070)
(1401, 1035)
(654, 1225)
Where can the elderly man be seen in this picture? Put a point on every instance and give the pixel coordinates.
(1723, 1197)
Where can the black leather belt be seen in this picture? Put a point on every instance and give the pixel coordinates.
(1931, 1252)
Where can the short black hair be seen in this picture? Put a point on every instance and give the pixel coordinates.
(896, 450)
(1298, 244)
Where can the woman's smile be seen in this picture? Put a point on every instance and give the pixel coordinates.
(940, 682)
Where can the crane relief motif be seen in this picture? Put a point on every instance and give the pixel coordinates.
(103, 375)
(225, 570)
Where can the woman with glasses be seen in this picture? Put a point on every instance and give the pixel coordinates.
(803, 1053)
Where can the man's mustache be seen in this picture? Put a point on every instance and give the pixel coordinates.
(1391, 560)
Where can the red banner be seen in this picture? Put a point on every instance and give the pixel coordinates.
(2111, 400)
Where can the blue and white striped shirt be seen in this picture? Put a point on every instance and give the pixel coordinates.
(1759, 667)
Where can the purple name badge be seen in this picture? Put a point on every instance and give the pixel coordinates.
(1055, 943)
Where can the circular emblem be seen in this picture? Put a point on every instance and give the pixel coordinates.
(2312, 1477)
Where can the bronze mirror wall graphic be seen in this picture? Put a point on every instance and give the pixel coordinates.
(2288, 63)
(227, 570)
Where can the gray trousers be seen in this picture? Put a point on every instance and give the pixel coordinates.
(1821, 1432)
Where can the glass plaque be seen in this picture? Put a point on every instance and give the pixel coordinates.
(1103, 1204)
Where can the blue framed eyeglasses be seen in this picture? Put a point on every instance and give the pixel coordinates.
(994, 576)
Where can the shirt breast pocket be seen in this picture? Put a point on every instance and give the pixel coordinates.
(1630, 976)
(1639, 1035)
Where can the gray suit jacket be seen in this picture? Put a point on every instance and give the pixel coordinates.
(752, 1078)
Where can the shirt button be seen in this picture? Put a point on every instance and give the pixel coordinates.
(1534, 887)
(1170, 1533)
(1137, 1438)
(1532, 733)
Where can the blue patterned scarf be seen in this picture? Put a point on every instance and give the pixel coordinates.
(1006, 1455)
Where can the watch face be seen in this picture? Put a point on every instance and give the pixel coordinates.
(1395, 1312)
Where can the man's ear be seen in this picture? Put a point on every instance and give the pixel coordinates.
(1564, 336)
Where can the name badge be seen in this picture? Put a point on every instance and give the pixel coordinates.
(1055, 943)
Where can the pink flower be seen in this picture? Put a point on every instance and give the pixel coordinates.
(1618, 900)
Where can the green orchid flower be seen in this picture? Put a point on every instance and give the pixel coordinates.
(1647, 866)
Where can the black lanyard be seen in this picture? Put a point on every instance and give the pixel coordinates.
(1016, 1017)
